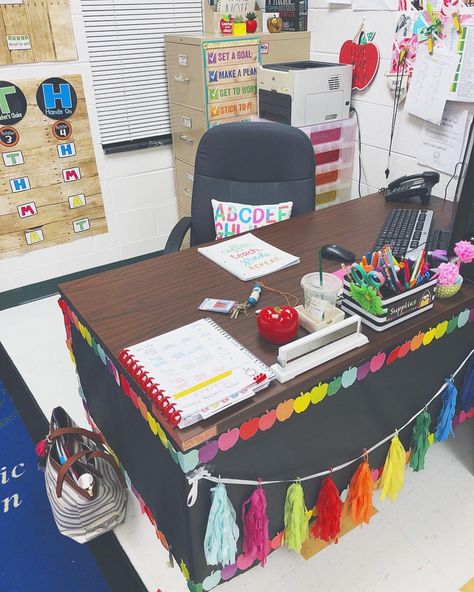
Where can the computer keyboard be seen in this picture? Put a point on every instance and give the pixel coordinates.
(406, 231)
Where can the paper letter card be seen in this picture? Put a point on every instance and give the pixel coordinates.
(49, 185)
(247, 257)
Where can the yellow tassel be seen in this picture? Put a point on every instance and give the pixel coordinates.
(393, 473)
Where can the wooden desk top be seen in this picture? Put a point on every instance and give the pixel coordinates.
(136, 302)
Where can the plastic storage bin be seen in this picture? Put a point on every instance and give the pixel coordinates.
(342, 131)
(338, 172)
(333, 196)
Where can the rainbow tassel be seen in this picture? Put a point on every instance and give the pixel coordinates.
(467, 393)
(393, 473)
(222, 533)
(444, 427)
(255, 523)
(359, 496)
(329, 509)
(296, 523)
(419, 441)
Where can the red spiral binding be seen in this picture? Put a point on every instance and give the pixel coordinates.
(150, 387)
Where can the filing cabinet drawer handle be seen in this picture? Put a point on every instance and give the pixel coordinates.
(181, 78)
(186, 139)
(188, 191)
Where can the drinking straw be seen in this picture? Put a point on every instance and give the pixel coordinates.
(320, 267)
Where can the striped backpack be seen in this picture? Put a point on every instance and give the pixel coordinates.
(84, 485)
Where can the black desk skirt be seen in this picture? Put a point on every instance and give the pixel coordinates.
(326, 435)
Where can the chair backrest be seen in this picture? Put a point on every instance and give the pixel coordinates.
(253, 163)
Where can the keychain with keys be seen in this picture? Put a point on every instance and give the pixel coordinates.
(249, 303)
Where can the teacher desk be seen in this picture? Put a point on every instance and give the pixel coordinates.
(320, 419)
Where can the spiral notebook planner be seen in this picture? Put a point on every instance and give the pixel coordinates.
(195, 371)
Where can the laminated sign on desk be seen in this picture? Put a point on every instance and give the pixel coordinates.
(247, 257)
(195, 371)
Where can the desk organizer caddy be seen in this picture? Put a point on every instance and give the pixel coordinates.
(333, 145)
(397, 309)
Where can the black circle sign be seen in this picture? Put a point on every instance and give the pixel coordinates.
(62, 130)
(12, 103)
(56, 98)
(9, 136)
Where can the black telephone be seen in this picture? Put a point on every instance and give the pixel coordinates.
(419, 185)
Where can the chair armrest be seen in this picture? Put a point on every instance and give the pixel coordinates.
(177, 235)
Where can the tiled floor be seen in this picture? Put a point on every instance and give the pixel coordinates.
(424, 542)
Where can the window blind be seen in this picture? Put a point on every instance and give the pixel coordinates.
(127, 58)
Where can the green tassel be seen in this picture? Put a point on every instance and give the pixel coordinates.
(419, 441)
(296, 523)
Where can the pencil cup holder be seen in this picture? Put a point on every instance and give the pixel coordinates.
(394, 309)
(448, 291)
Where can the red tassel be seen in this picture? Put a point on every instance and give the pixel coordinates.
(329, 510)
(42, 448)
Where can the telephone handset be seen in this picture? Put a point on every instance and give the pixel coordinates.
(419, 185)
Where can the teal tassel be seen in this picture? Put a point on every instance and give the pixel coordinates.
(222, 533)
(444, 427)
(296, 523)
(419, 441)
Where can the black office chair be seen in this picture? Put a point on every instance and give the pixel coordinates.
(251, 163)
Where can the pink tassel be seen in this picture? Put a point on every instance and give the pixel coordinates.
(255, 522)
(42, 448)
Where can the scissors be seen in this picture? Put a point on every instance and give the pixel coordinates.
(361, 277)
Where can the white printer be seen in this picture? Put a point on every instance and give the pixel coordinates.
(304, 93)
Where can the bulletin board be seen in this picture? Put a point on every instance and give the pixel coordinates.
(230, 72)
(49, 186)
(36, 31)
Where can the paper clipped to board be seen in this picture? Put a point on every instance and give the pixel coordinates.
(441, 145)
(248, 257)
(431, 82)
(200, 370)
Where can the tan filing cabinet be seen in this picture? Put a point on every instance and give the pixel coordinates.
(188, 90)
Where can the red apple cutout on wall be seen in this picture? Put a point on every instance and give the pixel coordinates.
(365, 60)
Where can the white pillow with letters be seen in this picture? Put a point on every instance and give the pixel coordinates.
(231, 219)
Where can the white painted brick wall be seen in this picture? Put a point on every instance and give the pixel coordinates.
(137, 188)
(331, 26)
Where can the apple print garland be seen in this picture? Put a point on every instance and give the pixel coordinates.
(283, 410)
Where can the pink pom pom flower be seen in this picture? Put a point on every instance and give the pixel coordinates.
(465, 251)
(447, 274)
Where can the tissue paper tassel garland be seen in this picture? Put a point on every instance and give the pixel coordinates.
(222, 533)
(329, 509)
(419, 441)
(393, 473)
(296, 523)
(444, 427)
(255, 526)
(359, 496)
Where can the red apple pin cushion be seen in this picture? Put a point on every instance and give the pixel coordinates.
(278, 324)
